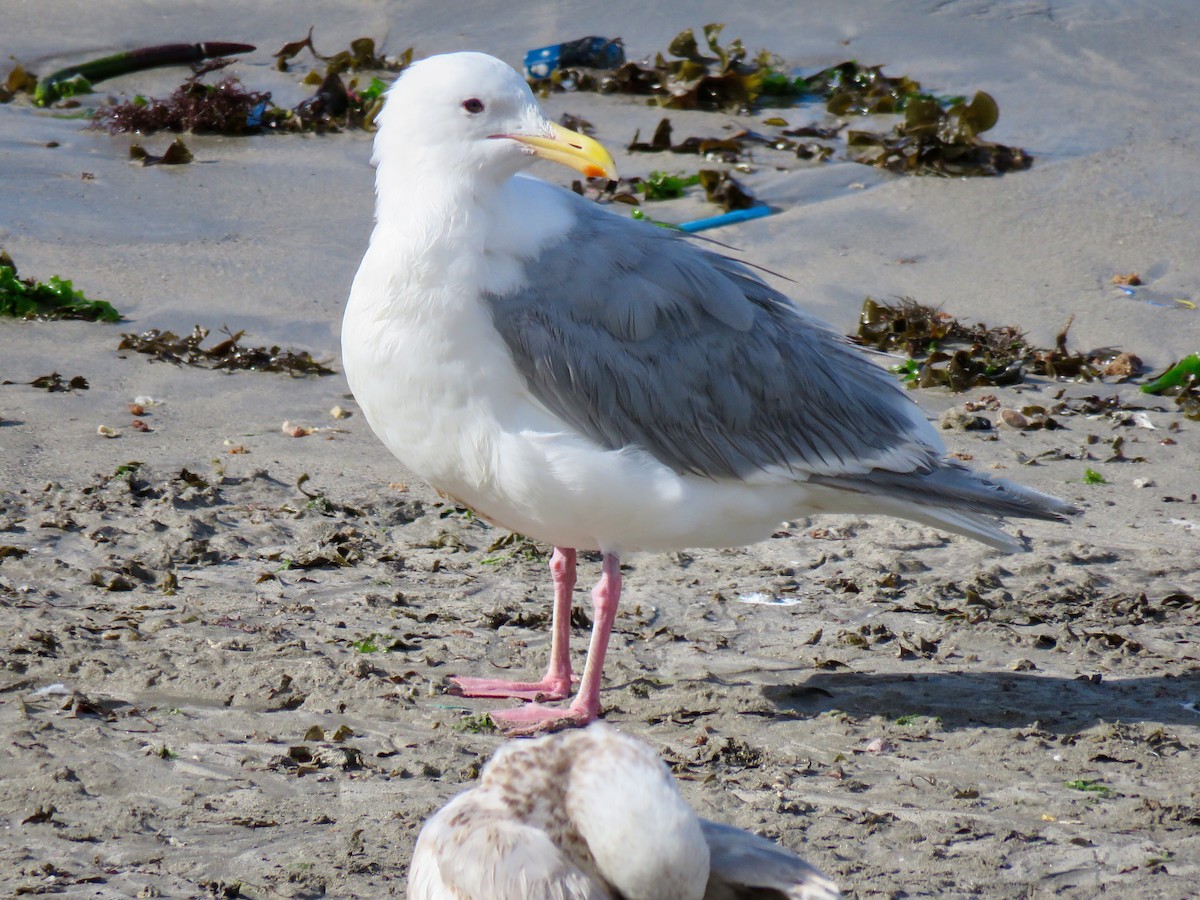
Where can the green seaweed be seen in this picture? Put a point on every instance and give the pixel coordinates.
(664, 186)
(366, 645)
(376, 88)
(53, 299)
(641, 216)
(852, 89)
(1181, 381)
(1088, 786)
(1177, 375)
(476, 723)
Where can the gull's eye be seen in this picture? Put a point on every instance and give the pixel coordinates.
(473, 106)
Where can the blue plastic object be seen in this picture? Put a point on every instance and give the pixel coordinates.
(729, 218)
(593, 52)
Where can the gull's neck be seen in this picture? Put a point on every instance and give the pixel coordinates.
(429, 201)
(474, 228)
(436, 187)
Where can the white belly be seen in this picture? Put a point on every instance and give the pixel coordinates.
(442, 394)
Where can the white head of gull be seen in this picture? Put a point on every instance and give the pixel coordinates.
(598, 383)
(594, 813)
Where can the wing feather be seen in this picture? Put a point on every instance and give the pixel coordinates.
(745, 866)
(635, 335)
(468, 850)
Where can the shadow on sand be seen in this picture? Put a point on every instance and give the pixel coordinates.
(997, 699)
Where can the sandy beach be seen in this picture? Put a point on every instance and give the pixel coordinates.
(223, 648)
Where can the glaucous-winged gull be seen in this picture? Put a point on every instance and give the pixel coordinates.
(599, 383)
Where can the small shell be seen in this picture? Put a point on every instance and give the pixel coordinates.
(879, 746)
(292, 430)
(1013, 419)
(107, 431)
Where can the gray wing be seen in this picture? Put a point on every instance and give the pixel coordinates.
(634, 335)
(746, 866)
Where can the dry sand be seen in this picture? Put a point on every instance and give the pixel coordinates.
(908, 710)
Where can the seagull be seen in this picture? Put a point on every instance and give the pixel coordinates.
(598, 383)
(594, 813)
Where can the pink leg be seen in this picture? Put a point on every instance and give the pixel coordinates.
(586, 705)
(556, 684)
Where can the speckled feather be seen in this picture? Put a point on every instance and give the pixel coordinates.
(593, 814)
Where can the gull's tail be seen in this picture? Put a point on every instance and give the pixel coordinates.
(953, 498)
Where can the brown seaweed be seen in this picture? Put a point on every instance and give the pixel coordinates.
(222, 108)
(728, 149)
(936, 141)
(945, 351)
(692, 80)
(719, 187)
(176, 154)
(229, 108)
(938, 136)
(228, 354)
(850, 89)
(17, 81)
(726, 191)
(55, 384)
(360, 56)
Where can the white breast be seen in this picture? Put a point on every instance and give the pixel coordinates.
(438, 385)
